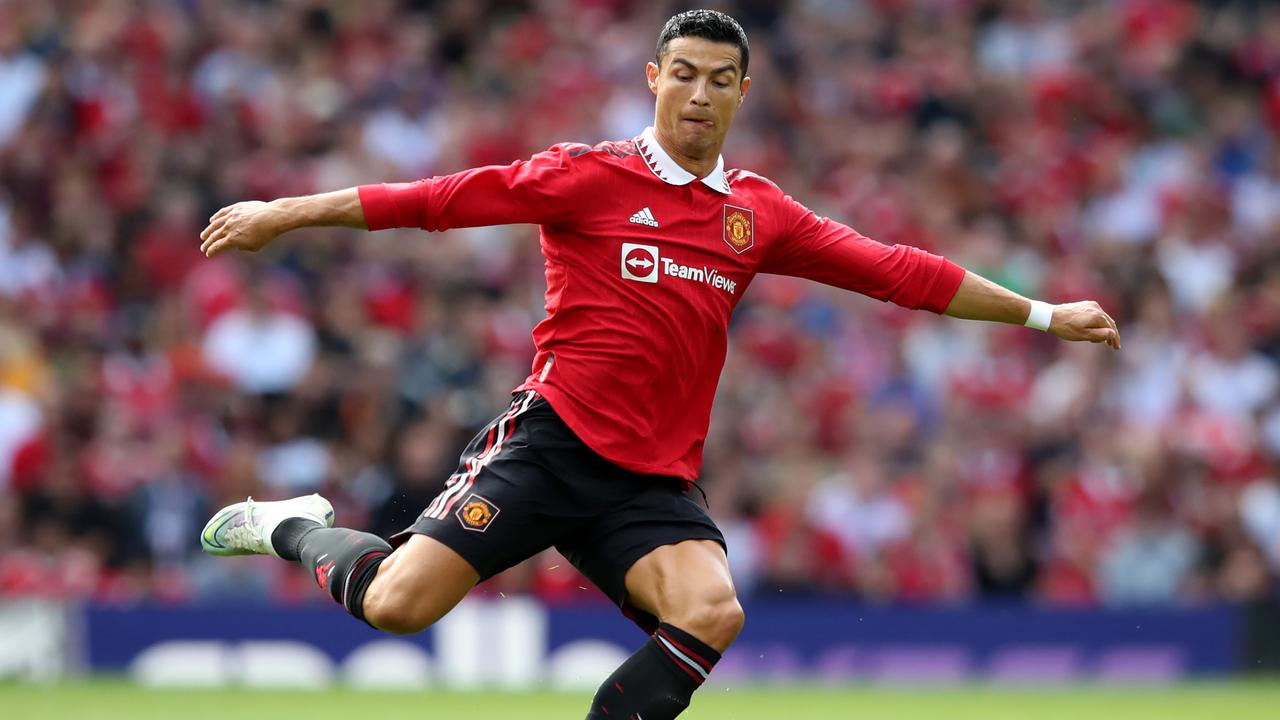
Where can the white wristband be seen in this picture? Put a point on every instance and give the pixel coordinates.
(1041, 315)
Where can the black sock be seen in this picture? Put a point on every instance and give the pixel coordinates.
(287, 537)
(658, 681)
(342, 561)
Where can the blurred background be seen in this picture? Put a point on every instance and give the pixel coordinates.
(862, 458)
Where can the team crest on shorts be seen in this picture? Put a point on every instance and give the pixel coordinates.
(477, 513)
(739, 228)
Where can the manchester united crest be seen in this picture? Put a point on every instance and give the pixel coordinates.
(739, 228)
(477, 514)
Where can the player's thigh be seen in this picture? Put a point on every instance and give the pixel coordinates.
(417, 584)
(492, 514)
(671, 577)
(658, 555)
(688, 585)
(478, 527)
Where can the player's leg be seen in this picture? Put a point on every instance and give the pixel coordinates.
(457, 541)
(686, 587)
(358, 569)
(659, 555)
(400, 591)
(417, 585)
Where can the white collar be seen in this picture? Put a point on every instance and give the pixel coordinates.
(670, 172)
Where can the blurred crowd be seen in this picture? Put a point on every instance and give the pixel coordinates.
(1126, 151)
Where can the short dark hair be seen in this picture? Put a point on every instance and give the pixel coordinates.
(707, 24)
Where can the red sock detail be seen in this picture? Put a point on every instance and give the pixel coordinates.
(701, 660)
(322, 574)
(619, 686)
(681, 664)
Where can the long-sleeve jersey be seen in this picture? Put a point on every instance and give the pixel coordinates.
(644, 265)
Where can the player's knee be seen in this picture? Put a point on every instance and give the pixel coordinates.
(728, 619)
(392, 610)
(715, 621)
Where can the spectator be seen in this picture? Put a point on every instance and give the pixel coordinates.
(22, 75)
(261, 349)
(1149, 561)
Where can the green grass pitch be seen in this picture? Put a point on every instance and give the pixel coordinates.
(114, 700)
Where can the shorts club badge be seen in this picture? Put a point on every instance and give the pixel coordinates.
(476, 513)
(739, 227)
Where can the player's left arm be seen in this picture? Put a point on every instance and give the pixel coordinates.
(980, 299)
(821, 249)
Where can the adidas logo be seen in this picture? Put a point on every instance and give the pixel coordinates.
(644, 217)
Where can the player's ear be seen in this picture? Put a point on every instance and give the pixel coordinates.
(742, 90)
(651, 72)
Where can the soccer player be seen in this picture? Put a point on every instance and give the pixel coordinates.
(649, 245)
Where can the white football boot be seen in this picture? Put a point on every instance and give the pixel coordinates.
(245, 528)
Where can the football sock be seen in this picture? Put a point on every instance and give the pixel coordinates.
(288, 534)
(657, 682)
(342, 561)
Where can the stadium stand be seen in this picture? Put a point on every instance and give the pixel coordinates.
(1126, 150)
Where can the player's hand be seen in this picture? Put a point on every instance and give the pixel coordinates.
(248, 226)
(1084, 321)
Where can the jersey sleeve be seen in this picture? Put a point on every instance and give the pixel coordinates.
(829, 252)
(540, 190)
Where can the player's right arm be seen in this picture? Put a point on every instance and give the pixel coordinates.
(542, 190)
(252, 225)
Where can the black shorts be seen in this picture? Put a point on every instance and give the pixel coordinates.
(527, 483)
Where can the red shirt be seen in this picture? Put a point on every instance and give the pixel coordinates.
(645, 264)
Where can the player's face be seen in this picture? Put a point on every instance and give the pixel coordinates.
(699, 88)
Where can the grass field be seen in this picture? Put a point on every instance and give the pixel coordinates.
(122, 701)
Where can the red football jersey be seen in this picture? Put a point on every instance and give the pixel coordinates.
(644, 265)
